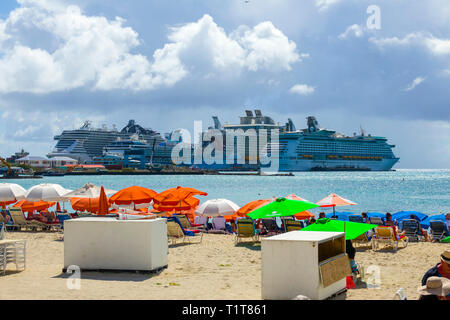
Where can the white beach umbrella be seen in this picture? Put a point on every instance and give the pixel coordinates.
(89, 190)
(217, 207)
(11, 192)
(46, 192)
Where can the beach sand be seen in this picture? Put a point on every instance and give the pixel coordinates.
(214, 269)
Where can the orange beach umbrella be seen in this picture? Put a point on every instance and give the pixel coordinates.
(178, 198)
(30, 206)
(251, 206)
(103, 203)
(85, 204)
(3, 204)
(133, 195)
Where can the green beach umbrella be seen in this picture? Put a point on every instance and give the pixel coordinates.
(446, 239)
(281, 207)
(352, 229)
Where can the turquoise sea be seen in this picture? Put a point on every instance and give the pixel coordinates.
(427, 191)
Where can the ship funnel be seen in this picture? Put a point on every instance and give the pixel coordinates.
(249, 113)
(313, 125)
(258, 113)
(217, 124)
(291, 126)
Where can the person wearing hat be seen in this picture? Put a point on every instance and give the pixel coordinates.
(442, 269)
(436, 288)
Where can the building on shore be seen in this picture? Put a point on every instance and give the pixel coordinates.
(46, 163)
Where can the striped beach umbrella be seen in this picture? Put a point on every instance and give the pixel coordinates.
(334, 200)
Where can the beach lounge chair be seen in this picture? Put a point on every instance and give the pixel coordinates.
(61, 219)
(13, 251)
(361, 240)
(175, 231)
(218, 225)
(411, 228)
(376, 220)
(245, 228)
(292, 225)
(18, 218)
(186, 223)
(438, 230)
(3, 219)
(386, 235)
(201, 220)
(284, 220)
(358, 219)
(270, 226)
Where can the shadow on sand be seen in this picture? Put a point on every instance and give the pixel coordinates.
(255, 245)
(135, 276)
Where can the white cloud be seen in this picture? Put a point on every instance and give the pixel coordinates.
(94, 52)
(204, 45)
(417, 81)
(353, 30)
(325, 4)
(302, 89)
(434, 45)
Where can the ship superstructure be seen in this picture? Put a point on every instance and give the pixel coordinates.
(85, 143)
(310, 149)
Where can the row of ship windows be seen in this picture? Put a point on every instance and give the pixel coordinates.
(335, 157)
(341, 148)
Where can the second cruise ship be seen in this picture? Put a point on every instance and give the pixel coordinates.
(313, 148)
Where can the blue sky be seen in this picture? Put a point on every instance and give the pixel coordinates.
(168, 63)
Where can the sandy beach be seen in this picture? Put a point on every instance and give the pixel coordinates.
(216, 268)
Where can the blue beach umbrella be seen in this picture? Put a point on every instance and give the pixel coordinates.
(426, 222)
(403, 215)
(376, 215)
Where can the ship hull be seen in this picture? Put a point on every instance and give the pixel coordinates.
(336, 165)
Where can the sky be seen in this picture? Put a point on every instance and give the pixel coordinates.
(382, 65)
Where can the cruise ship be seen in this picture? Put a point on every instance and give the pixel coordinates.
(319, 149)
(86, 143)
(310, 149)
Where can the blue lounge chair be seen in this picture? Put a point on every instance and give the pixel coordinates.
(376, 220)
(358, 219)
(411, 228)
(62, 218)
(176, 231)
(438, 230)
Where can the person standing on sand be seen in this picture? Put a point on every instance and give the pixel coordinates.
(442, 269)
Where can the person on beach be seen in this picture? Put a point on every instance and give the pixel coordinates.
(351, 252)
(311, 221)
(321, 215)
(365, 217)
(442, 269)
(447, 224)
(5, 215)
(422, 232)
(389, 223)
(435, 288)
(369, 233)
